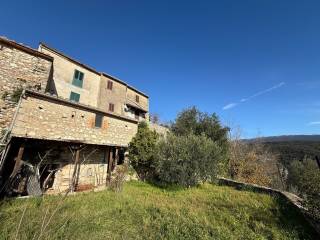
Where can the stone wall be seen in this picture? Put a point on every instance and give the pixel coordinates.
(159, 129)
(44, 117)
(49, 118)
(92, 170)
(291, 198)
(19, 69)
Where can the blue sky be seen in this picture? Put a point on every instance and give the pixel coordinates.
(255, 63)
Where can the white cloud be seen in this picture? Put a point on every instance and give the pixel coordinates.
(314, 123)
(257, 94)
(230, 105)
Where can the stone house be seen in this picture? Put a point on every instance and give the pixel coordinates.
(71, 126)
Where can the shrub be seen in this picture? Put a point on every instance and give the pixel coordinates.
(119, 178)
(193, 121)
(16, 94)
(254, 163)
(305, 175)
(141, 151)
(187, 160)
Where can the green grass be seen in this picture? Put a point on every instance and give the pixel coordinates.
(143, 211)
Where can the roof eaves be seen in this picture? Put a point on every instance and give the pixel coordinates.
(124, 83)
(91, 69)
(69, 58)
(25, 48)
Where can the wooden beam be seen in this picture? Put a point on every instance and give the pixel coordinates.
(75, 169)
(18, 161)
(116, 159)
(110, 162)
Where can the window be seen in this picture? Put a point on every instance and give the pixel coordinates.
(110, 85)
(137, 98)
(98, 121)
(136, 114)
(74, 97)
(77, 78)
(111, 107)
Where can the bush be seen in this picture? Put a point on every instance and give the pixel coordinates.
(119, 178)
(141, 151)
(193, 121)
(187, 160)
(305, 175)
(195, 150)
(253, 163)
(16, 94)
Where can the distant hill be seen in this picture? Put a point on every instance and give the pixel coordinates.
(288, 138)
(293, 147)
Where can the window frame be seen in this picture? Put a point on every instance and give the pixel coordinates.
(98, 121)
(74, 99)
(111, 107)
(110, 85)
(78, 78)
(137, 98)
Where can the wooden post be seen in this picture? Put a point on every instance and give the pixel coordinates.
(18, 161)
(116, 159)
(110, 162)
(74, 174)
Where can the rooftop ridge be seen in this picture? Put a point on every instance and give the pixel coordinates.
(90, 68)
(24, 48)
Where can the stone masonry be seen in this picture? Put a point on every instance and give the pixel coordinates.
(20, 67)
(47, 117)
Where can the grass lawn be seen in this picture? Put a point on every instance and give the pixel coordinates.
(143, 211)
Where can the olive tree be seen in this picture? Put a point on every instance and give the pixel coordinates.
(187, 160)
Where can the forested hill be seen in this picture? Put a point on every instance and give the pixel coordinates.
(295, 147)
(288, 138)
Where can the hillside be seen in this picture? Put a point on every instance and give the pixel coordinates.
(143, 211)
(295, 150)
(288, 138)
(293, 147)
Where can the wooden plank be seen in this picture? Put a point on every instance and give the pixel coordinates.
(110, 162)
(116, 159)
(18, 161)
(74, 174)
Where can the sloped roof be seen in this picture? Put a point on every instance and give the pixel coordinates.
(24, 48)
(90, 68)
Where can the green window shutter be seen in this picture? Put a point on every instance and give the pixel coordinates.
(74, 97)
(78, 78)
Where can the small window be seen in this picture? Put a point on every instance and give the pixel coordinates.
(137, 98)
(74, 97)
(136, 114)
(98, 121)
(77, 78)
(111, 107)
(110, 85)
